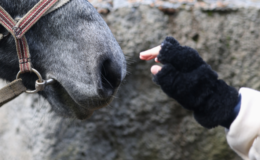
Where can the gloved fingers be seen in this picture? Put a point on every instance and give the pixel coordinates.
(150, 54)
(254, 152)
(165, 76)
(184, 59)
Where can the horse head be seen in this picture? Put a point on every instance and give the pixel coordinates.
(74, 46)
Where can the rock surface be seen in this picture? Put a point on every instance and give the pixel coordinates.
(104, 6)
(142, 123)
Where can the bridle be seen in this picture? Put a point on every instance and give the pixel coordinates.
(17, 28)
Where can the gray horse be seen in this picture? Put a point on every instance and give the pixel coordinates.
(74, 46)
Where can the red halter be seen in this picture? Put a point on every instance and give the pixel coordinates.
(18, 29)
(21, 27)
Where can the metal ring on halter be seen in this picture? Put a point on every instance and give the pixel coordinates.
(39, 83)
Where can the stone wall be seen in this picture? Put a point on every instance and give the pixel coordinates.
(142, 123)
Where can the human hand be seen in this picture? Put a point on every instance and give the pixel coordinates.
(152, 54)
(182, 58)
(185, 77)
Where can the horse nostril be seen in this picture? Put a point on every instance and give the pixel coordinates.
(110, 78)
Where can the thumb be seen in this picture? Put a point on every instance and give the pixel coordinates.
(155, 69)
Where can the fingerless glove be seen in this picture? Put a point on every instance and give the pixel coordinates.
(191, 82)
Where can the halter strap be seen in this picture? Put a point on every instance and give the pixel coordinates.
(32, 17)
(21, 27)
(18, 29)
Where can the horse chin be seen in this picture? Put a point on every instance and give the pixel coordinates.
(65, 106)
(83, 112)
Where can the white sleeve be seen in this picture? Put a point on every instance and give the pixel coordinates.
(245, 129)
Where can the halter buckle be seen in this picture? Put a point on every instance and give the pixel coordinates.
(40, 84)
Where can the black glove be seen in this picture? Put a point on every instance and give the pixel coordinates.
(190, 81)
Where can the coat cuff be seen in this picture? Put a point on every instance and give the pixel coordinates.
(246, 127)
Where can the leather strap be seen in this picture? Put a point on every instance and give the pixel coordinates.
(21, 27)
(32, 17)
(11, 91)
(57, 5)
(15, 88)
